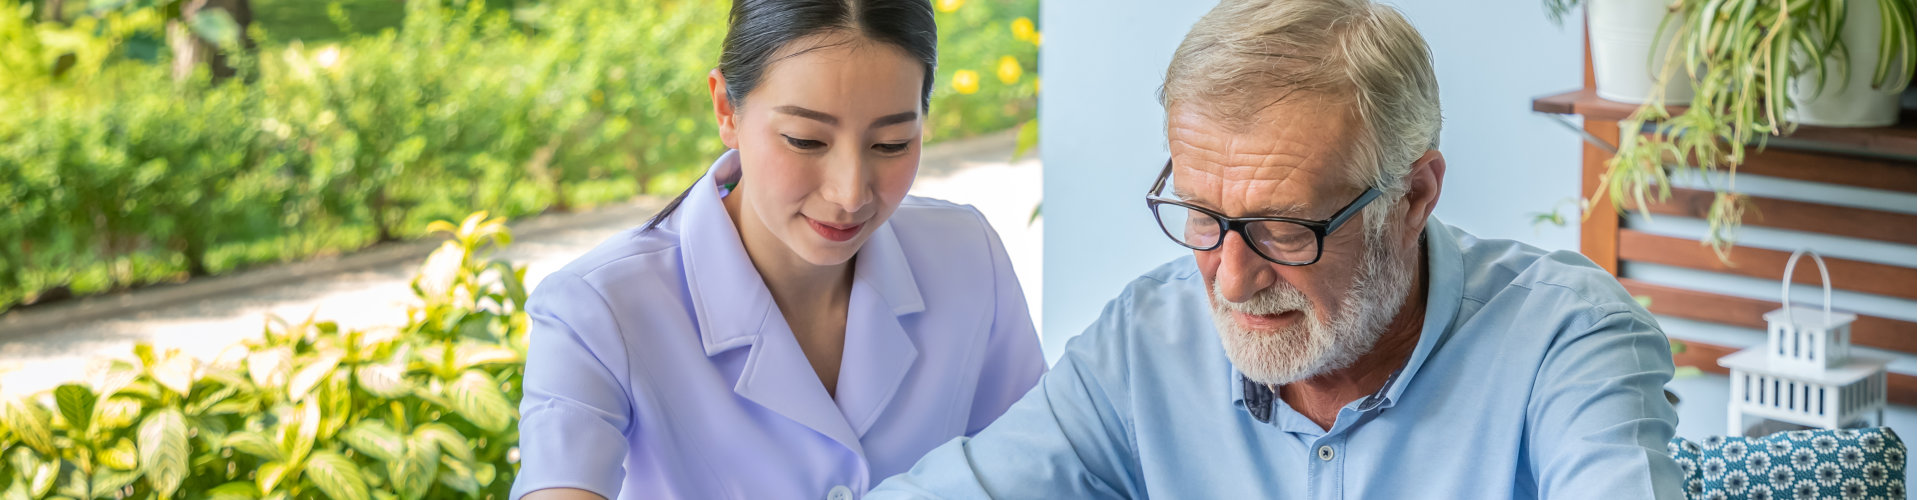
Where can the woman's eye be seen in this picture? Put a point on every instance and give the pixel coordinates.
(804, 143)
(890, 148)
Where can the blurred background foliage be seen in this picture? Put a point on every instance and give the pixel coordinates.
(147, 141)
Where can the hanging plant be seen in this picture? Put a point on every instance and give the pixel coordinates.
(1741, 56)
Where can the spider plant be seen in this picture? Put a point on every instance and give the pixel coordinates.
(1741, 56)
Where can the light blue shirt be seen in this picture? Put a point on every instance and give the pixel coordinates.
(660, 368)
(1536, 376)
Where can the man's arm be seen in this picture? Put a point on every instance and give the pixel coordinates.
(1599, 421)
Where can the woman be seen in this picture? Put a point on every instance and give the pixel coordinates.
(794, 325)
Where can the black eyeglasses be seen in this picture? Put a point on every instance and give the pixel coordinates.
(1282, 240)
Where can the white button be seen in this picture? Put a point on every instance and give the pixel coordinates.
(1326, 453)
(839, 493)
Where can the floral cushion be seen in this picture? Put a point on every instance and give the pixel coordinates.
(1795, 465)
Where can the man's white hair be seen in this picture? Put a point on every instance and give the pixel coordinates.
(1247, 55)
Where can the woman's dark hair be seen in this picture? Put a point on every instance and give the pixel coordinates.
(759, 30)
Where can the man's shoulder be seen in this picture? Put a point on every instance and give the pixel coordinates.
(1164, 306)
(1560, 281)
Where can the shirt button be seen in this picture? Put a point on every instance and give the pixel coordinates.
(1326, 453)
(839, 493)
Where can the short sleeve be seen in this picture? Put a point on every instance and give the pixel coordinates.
(576, 412)
(1014, 361)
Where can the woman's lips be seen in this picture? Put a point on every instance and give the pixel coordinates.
(834, 232)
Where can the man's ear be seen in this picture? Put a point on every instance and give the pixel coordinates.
(723, 111)
(1423, 193)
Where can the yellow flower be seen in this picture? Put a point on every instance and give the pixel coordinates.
(966, 81)
(949, 5)
(1009, 70)
(1023, 30)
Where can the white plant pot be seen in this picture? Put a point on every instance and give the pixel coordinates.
(1622, 34)
(1856, 103)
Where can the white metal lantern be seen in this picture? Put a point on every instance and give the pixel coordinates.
(1805, 374)
(1807, 339)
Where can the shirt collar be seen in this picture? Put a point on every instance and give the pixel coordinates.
(1445, 282)
(734, 309)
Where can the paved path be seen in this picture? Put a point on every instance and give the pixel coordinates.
(42, 348)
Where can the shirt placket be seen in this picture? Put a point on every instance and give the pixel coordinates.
(1325, 466)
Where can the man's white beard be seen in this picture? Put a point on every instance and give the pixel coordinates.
(1312, 346)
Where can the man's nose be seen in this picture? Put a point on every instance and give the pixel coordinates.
(1241, 273)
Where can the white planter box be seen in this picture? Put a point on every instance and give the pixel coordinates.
(1849, 99)
(1622, 33)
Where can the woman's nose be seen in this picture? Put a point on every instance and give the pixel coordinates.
(848, 183)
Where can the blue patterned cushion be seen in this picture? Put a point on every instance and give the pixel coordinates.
(1795, 465)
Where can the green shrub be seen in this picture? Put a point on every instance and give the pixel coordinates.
(113, 175)
(306, 411)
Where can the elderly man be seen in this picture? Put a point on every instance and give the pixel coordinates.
(1364, 349)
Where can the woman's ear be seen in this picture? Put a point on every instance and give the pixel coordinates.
(723, 110)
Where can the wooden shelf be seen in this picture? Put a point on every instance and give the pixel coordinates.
(1850, 222)
(1893, 141)
(1848, 274)
(1870, 331)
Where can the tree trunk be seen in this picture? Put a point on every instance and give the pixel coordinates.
(189, 50)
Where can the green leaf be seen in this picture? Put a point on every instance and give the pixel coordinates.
(456, 475)
(298, 431)
(469, 355)
(39, 474)
(336, 405)
(269, 368)
(176, 373)
(309, 376)
(144, 352)
(108, 482)
(207, 402)
(510, 278)
(485, 474)
(336, 476)
(215, 25)
(375, 439)
(449, 440)
(76, 405)
(123, 455)
(16, 490)
(253, 443)
(413, 474)
(237, 490)
(385, 380)
(164, 450)
(29, 426)
(269, 475)
(76, 486)
(229, 406)
(477, 325)
(108, 377)
(1029, 138)
(477, 398)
